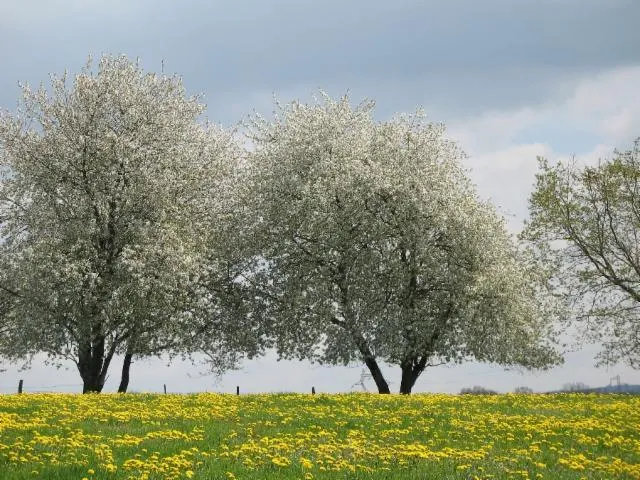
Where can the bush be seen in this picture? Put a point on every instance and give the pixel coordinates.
(477, 390)
(523, 390)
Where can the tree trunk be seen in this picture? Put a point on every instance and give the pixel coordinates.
(91, 357)
(376, 373)
(92, 382)
(349, 325)
(411, 370)
(370, 361)
(93, 364)
(92, 385)
(126, 366)
(408, 379)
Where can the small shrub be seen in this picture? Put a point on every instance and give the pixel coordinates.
(523, 390)
(477, 390)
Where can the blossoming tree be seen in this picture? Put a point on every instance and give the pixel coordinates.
(377, 247)
(109, 188)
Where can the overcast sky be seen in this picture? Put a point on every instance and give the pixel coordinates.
(511, 79)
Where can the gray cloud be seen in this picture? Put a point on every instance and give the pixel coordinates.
(456, 57)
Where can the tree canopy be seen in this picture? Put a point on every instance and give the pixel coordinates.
(378, 248)
(111, 191)
(585, 226)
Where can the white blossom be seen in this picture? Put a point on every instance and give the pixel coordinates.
(111, 188)
(379, 248)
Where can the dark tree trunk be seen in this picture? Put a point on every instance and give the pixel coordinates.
(92, 382)
(411, 370)
(376, 373)
(93, 364)
(126, 366)
(408, 379)
(349, 325)
(92, 386)
(91, 357)
(370, 361)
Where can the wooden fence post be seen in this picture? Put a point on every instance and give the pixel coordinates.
(165, 388)
(238, 390)
(313, 390)
(20, 386)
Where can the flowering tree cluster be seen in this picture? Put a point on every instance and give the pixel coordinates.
(128, 226)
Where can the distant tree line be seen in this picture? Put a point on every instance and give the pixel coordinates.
(477, 390)
(129, 226)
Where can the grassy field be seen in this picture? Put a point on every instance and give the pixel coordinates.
(211, 436)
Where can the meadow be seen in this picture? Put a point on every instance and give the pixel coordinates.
(295, 436)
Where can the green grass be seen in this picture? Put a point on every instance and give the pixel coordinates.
(209, 436)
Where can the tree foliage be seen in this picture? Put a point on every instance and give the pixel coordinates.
(378, 248)
(585, 223)
(111, 190)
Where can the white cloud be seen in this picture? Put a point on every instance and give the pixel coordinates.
(600, 114)
(506, 178)
(610, 103)
(492, 130)
(604, 109)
